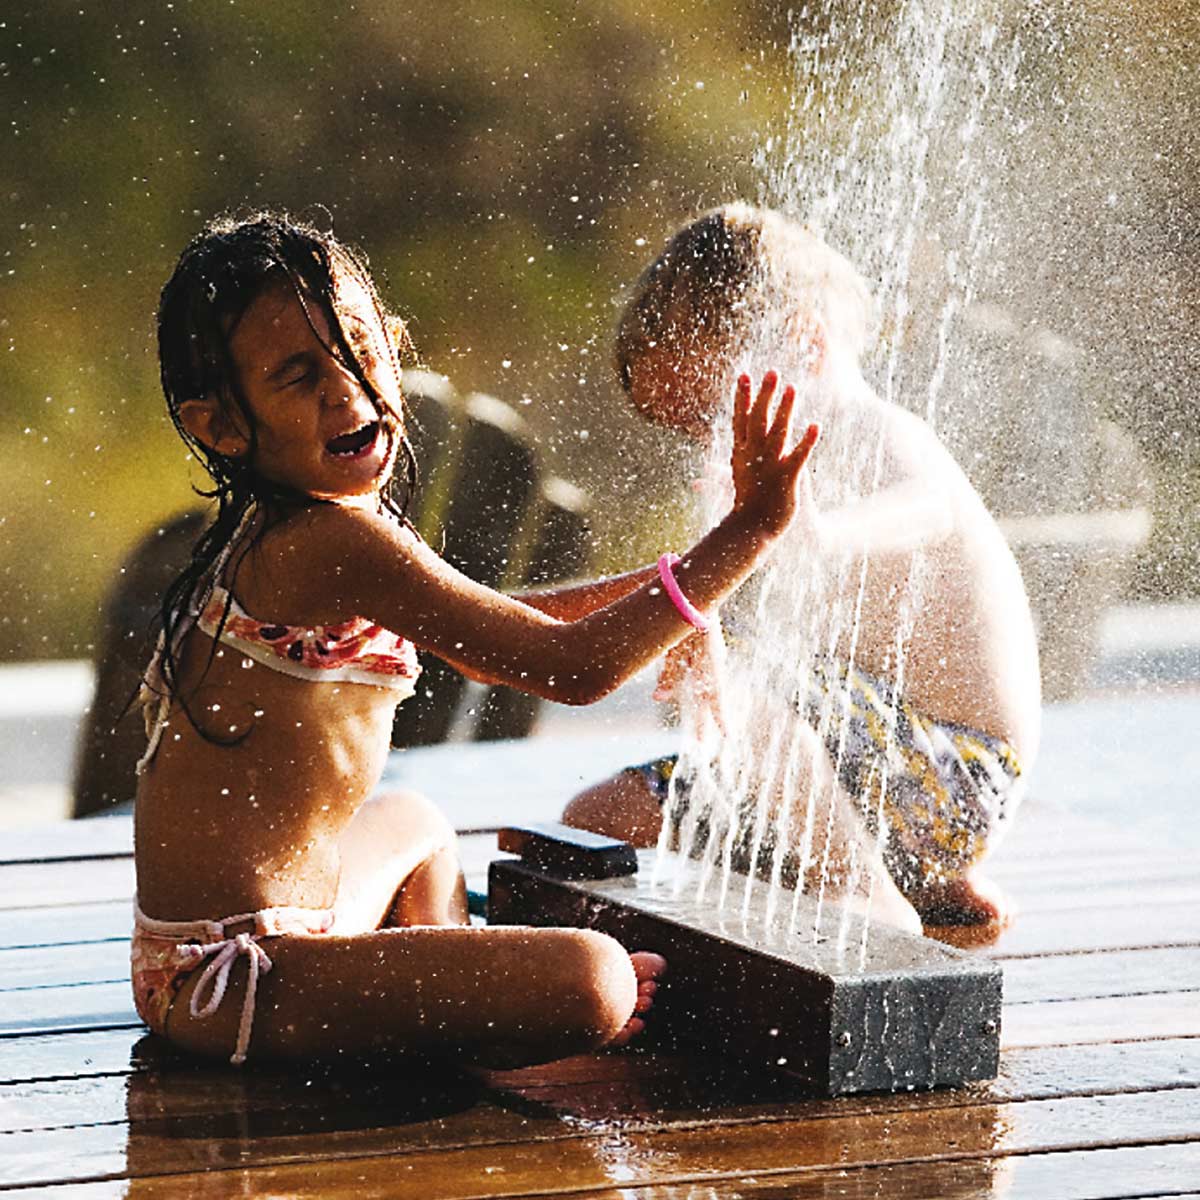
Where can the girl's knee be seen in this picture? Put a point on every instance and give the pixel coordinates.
(600, 988)
(410, 813)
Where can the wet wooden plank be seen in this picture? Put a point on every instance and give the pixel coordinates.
(77, 1055)
(1124, 927)
(600, 1088)
(1172, 885)
(221, 1105)
(685, 1090)
(62, 841)
(407, 1158)
(1103, 973)
(616, 1088)
(85, 881)
(55, 966)
(67, 1009)
(66, 924)
(1024, 1073)
(1076, 1022)
(1138, 1171)
(1133, 857)
(1135, 1171)
(1043, 834)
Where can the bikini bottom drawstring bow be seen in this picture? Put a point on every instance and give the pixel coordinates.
(215, 977)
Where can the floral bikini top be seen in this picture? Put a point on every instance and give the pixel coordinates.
(353, 651)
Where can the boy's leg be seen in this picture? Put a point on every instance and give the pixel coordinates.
(823, 824)
(624, 806)
(942, 838)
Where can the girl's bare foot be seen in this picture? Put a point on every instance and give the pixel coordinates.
(649, 969)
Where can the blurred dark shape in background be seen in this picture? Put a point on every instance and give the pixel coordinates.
(509, 168)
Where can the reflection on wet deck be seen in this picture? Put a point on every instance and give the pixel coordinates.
(1098, 1095)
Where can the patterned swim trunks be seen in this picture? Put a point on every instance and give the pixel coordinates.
(945, 791)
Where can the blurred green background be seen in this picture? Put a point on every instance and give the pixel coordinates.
(509, 167)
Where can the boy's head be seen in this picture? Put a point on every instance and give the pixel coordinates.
(731, 277)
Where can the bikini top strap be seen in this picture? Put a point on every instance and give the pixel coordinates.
(154, 694)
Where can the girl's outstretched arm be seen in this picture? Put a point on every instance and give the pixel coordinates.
(367, 565)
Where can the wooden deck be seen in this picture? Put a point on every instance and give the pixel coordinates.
(1099, 1092)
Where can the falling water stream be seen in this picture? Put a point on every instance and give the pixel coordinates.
(894, 134)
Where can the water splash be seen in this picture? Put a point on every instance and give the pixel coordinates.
(893, 136)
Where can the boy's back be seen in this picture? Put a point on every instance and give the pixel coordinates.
(940, 579)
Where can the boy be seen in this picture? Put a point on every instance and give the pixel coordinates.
(920, 711)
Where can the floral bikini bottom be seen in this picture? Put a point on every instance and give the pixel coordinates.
(164, 954)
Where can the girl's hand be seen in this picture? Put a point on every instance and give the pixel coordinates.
(764, 474)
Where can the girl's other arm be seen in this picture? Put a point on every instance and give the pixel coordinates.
(575, 600)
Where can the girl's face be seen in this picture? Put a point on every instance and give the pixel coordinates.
(318, 431)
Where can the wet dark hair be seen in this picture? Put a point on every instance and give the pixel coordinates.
(221, 272)
(696, 282)
(730, 269)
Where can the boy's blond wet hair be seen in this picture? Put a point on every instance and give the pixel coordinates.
(719, 278)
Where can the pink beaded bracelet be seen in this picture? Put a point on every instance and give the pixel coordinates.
(687, 610)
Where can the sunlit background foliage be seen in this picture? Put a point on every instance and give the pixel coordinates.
(508, 166)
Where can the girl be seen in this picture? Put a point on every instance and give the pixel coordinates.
(287, 644)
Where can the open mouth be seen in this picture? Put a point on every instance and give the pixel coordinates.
(358, 442)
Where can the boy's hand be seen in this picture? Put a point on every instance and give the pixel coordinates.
(764, 473)
(695, 663)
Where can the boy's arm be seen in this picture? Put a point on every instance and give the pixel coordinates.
(900, 518)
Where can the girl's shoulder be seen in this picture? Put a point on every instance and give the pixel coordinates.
(318, 528)
(300, 561)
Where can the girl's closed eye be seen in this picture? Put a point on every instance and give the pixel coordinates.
(297, 370)
(299, 376)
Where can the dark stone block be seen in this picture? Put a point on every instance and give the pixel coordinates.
(569, 853)
(750, 979)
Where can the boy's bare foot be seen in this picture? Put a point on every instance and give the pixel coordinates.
(649, 969)
(965, 912)
(966, 901)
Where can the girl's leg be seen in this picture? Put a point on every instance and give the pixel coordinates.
(399, 866)
(508, 995)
